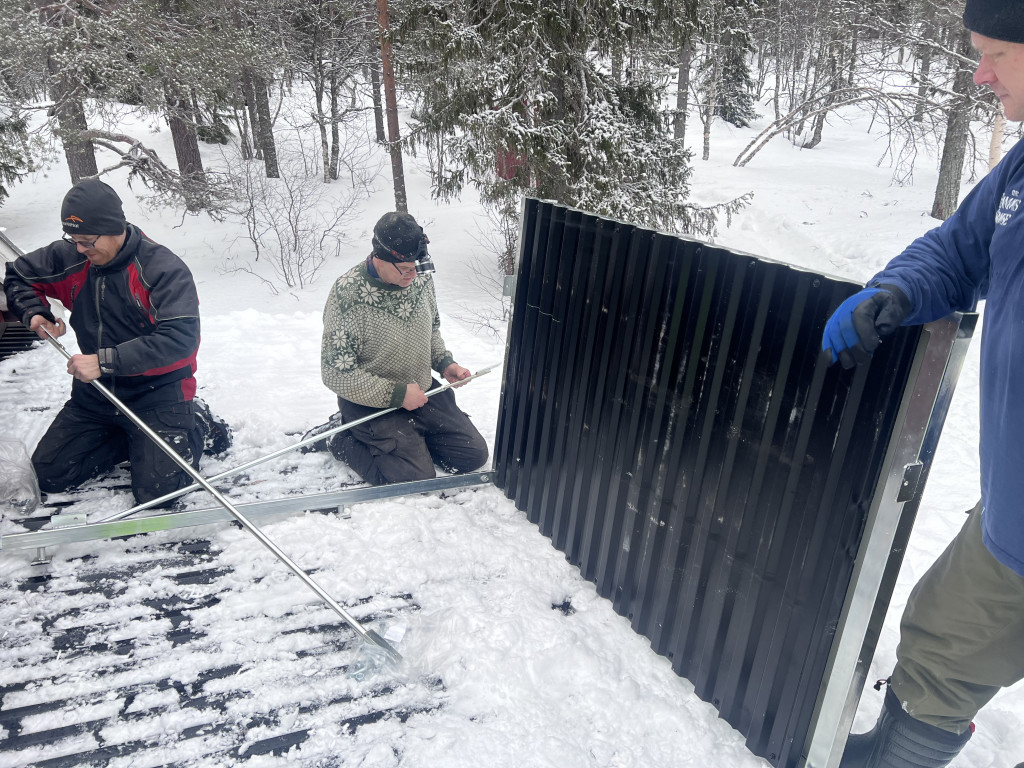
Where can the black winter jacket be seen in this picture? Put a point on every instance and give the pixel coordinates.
(139, 312)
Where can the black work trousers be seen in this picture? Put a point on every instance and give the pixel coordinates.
(404, 445)
(83, 442)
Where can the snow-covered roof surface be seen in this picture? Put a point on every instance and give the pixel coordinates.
(162, 652)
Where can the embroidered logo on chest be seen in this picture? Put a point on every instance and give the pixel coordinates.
(1008, 206)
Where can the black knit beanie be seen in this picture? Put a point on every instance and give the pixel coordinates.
(92, 208)
(397, 237)
(998, 19)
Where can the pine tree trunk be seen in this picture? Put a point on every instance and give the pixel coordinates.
(69, 110)
(819, 119)
(264, 132)
(186, 150)
(71, 122)
(319, 83)
(195, 111)
(241, 118)
(682, 90)
(80, 155)
(778, 65)
(851, 75)
(335, 88)
(711, 93)
(954, 148)
(391, 100)
(250, 104)
(378, 105)
(926, 62)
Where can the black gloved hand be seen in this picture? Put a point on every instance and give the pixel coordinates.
(856, 328)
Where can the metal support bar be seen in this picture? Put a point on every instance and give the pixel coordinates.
(258, 510)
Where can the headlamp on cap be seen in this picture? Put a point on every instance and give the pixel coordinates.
(419, 257)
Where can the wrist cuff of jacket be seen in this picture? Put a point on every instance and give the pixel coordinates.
(45, 313)
(106, 357)
(443, 365)
(901, 298)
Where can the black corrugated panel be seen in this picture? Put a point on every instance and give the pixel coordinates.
(667, 419)
(14, 337)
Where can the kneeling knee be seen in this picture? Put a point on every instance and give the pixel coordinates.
(51, 480)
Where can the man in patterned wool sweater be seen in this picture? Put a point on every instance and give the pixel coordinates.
(381, 340)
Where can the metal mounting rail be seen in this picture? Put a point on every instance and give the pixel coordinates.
(289, 505)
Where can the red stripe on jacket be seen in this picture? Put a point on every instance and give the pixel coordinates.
(65, 290)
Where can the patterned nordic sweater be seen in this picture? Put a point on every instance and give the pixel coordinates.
(378, 338)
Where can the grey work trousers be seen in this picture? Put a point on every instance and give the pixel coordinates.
(962, 633)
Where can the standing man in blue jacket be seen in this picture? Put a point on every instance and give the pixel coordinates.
(135, 312)
(962, 633)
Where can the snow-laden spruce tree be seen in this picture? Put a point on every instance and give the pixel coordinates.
(729, 39)
(14, 152)
(560, 100)
(85, 64)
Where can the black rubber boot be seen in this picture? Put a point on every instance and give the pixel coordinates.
(217, 434)
(321, 445)
(900, 741)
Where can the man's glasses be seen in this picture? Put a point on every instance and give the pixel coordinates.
(417, 263)
(422, 266)
(87, 244)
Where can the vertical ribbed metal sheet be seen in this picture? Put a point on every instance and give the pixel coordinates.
(668, 421)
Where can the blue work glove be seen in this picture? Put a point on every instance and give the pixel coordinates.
(856, 328)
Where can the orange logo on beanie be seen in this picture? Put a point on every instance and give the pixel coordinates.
(73, 221)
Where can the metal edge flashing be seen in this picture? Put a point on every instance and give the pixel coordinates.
(8, 249)
(509, 412)
(936, 367)
(258, 510)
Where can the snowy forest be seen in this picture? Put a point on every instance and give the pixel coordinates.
(584, 102)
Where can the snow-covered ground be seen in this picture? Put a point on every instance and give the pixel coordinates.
(524, 687)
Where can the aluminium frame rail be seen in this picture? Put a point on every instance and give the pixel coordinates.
(257, 510)
(888, 527)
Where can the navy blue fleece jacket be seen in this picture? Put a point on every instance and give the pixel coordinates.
(978, 253)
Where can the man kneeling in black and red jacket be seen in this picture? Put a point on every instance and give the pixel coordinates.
(135, 311)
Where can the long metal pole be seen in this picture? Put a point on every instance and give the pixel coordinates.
(367, 634)
(280, 452)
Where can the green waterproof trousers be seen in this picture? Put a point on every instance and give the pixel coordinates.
(962, 633)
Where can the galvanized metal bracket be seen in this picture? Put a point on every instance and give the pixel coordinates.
(911, 481)
(41, 557)
(68, 519)
(509, 286)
